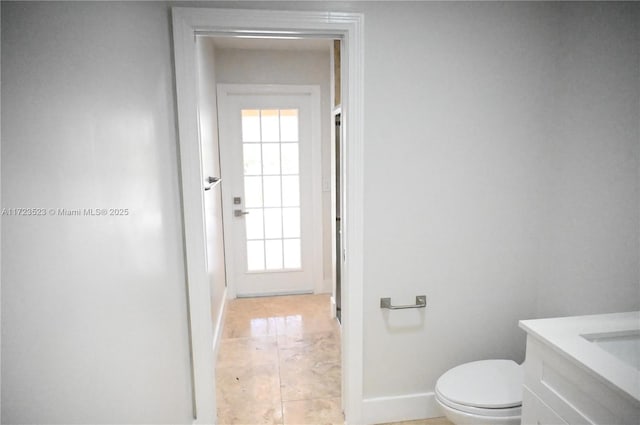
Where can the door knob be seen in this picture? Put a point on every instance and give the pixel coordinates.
(239, 213)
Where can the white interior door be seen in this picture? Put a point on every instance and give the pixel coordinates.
(268, 137)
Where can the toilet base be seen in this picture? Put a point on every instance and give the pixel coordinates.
(462, 418)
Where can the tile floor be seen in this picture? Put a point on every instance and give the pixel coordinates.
(279, 363)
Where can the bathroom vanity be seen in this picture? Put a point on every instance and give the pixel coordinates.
(582, 370)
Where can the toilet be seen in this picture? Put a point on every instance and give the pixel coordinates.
(486, 392)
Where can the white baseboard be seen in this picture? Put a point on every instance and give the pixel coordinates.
(217, 331)
(400, 408)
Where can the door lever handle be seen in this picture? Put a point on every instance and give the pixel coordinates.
(212, 181)
(239, 213)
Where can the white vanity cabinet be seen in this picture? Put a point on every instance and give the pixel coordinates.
(570, 379)
(535, 411)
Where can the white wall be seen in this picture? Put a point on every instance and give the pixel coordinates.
(455, 94)
(245, 66)
(510, 135)
(589, 261)
(511, 138)
(94, 321)
(208, 119)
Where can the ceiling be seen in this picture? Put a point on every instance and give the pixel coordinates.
(315, 44)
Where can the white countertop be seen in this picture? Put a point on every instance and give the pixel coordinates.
(564, 335)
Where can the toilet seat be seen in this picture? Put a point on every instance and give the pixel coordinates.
(479, 411)
(486, 388)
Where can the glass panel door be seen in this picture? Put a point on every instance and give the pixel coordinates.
(270, 147)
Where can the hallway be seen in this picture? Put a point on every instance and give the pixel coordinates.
(279, 362)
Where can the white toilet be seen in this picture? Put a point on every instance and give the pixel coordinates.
(486, 392)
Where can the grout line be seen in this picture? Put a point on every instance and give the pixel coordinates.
(273, 311)
(279, 376)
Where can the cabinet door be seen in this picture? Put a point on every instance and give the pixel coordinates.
(535, 412)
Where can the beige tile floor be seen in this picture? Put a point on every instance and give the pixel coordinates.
(279, 363)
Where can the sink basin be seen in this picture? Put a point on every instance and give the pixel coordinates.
(625, 346)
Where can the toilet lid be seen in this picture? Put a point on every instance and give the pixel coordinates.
(489, 384)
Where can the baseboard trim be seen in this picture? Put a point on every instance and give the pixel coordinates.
(400, 408)
(333, 306)
(217, 332)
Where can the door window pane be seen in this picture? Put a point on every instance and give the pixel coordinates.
(250, 125)
(292, 254)
(253, 223)
(270, 125)
(271, 168)
(271, 158)
(255, 255)
(252, 192)
(252, 159)
(290, 158)
(289, 125)
(273, 223)
(274, 254)
(272, 191)
(291, 222)
(290, 191)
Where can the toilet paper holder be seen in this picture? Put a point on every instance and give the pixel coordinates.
(421, 302)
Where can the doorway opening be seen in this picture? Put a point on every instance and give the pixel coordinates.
(277, 197)
(187, 25)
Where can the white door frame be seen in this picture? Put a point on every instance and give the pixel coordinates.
(187, 22)
(313, 91)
